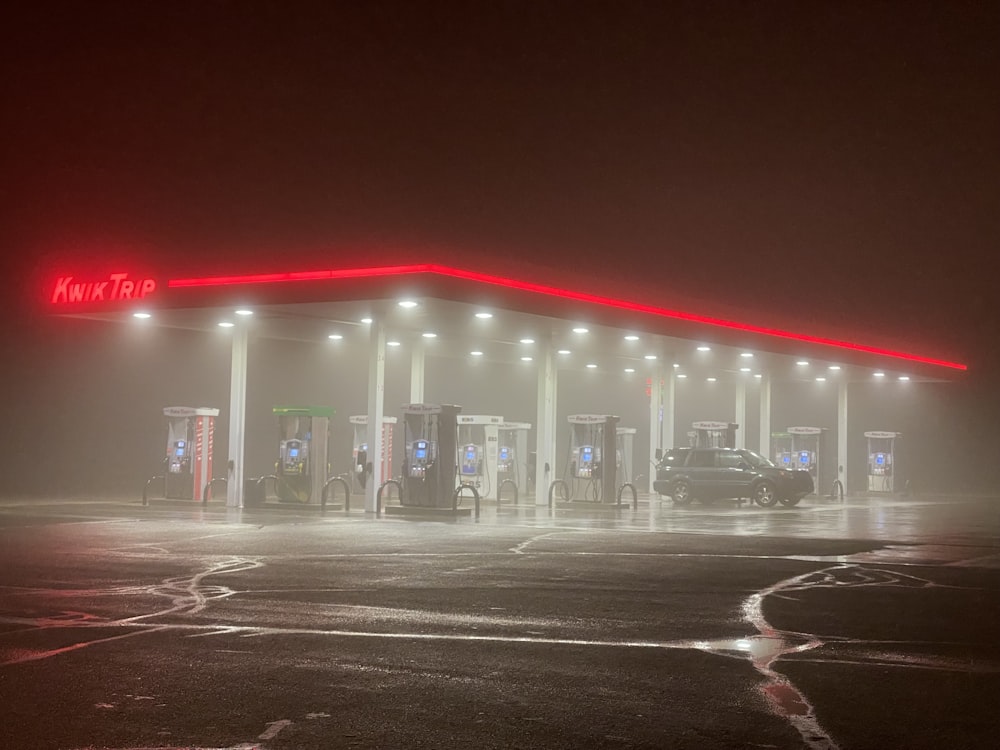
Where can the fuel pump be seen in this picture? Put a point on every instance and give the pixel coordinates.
(512, 455)
(881, 460)
(781, 444)
(303, 452)
(592, 437)
(430, 466)
(808, 454)
(361, 461)
(478, 453)
(190, 432)
(713, 435)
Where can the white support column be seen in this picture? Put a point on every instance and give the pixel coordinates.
(376, 407)
(669, 411)
(764, 441)
(656, 387)
(237, 417)
(417, 372)
(741, 414)
(545, 432)
(841, 436)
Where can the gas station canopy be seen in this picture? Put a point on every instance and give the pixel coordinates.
(468, 313)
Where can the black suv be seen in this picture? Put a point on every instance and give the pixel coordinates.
(720, 473)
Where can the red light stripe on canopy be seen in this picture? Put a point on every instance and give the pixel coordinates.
(550, 291)
(271, 278)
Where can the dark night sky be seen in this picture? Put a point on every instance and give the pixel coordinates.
(840, 159)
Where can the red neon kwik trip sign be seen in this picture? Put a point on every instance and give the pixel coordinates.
(119, 286)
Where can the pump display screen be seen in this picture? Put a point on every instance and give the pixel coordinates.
(786, 459)
(293, 452)
(804, 457)
(879, 458)
(587, 455)
(470, 454)
(179, 451)
(420, 450)
(505, 454)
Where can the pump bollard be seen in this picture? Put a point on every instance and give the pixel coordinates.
(458, 493)
(552, 492)
(325, 494)
(378, 495)
(635, 495)
(838, 490)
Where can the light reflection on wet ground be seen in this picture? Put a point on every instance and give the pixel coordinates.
(922, 533)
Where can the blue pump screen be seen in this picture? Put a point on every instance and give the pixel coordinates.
(804, 457)
(786, 459)
(504, 454)
(879, 459)
(293, 452)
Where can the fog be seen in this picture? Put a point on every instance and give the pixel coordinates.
(85, 417)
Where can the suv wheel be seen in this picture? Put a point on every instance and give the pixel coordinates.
(763, 494)
(788, 502)
(682, 493)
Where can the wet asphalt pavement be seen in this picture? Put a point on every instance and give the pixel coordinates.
(866, 624)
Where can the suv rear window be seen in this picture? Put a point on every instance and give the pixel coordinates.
(674, 457)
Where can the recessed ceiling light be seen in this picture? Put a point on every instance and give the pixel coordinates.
(226, 324)
(527, 341)
(563, 351)
(676, 365)
(142, 315)
(392, 343)
(335, 336)
(710, 380)
(704, 348)
(366, 320)
(631, 337)
(591, 366)
(476, 354)
(802, 362)
(904, 377)
(629, 369)
(581, 329)
(525, 359)
(681, 375)
(834, 367)
(407, 303)
(820, 380)
(650, 356)
(429, 335)
(744, 369)
(747, 355)
(244, 312)
(484, 315)
(758, 375)
(878, 374)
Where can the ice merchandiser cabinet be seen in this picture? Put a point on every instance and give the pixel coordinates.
(190, 432)
(303, 452)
